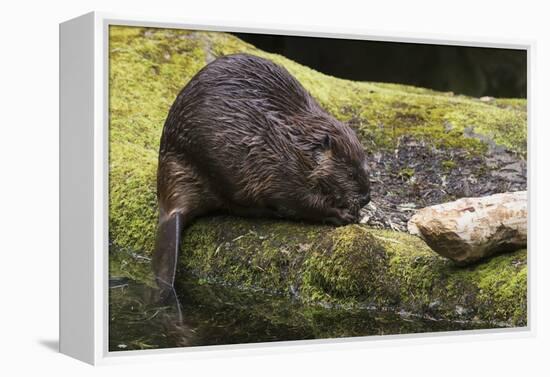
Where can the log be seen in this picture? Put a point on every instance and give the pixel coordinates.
(470, 229)
(352, 266)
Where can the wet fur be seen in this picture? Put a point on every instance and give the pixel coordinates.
(245, 137)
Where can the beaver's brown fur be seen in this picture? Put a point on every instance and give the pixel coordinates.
(245, 137)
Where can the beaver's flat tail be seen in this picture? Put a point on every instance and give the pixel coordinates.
(165, 259)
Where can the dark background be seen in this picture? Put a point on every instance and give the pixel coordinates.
(471, 71)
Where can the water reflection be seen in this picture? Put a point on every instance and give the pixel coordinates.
(204, 314)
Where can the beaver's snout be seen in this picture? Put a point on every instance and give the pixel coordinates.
(364, 200)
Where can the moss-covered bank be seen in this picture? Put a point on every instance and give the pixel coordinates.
(348, 266)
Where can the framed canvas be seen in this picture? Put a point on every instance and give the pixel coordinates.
(235, 188)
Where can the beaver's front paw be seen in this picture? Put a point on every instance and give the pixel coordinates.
(347, 216)
(341, 217)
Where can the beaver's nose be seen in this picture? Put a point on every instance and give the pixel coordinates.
(365, 199)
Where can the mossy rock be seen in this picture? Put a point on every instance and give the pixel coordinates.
(350, 265)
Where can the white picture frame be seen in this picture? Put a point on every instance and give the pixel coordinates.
(84, 190)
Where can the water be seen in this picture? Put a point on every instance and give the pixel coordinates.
(206, 314)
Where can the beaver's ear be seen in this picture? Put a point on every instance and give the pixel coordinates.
(322, 151)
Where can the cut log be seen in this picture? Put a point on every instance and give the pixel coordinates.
(470, 229)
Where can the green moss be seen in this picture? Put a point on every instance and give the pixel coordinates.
(503, 287)
(448, 165)
(263, 254)
(132, 198)
(343, 266)
(406, 173)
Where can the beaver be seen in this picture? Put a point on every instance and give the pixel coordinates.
(246, 138)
